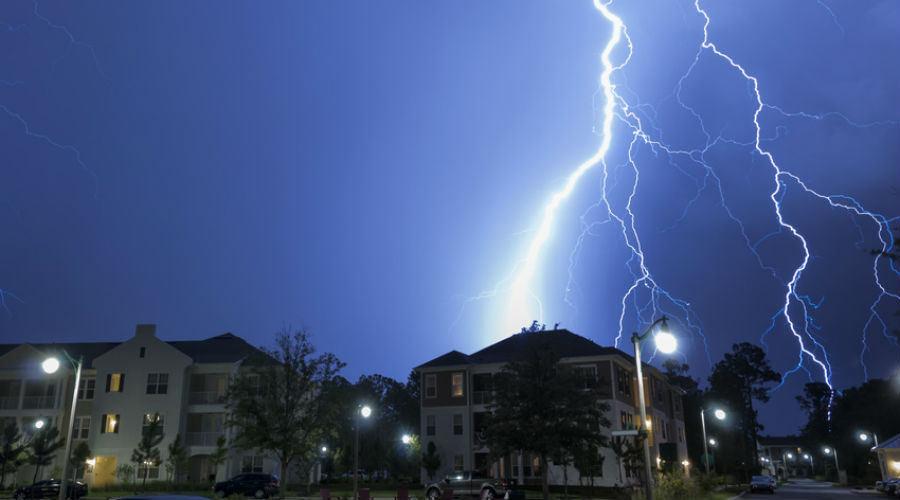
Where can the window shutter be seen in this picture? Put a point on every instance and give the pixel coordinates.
(118, 424)
(108, 381)
(121, 384)
(103, 422)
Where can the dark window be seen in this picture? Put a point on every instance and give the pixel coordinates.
(429, 425)
(86, 388)
(157, 383)
(143, 351)
(457, 425)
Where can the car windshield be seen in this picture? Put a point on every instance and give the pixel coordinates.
(760, 478)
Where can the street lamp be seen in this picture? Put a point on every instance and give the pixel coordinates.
(51, 365)
(363, 411)
(665, 343)
(406, 439)
(828, 451)
(864, 437)
(719, 414)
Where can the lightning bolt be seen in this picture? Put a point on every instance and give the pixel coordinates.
(645, 296)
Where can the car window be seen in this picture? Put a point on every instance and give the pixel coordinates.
(476, 474)
(239, 478)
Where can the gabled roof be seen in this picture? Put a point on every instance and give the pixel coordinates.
(225, 348)
(565, 343)
(890, 444)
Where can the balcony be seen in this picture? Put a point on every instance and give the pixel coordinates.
(202, 438)
(9, 403)
(482, 397)
(38, 402)
(206, 398)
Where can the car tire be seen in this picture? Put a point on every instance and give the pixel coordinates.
(20, 496)
(260, 493)
(488, 494)
(433, 494)
(220, 493)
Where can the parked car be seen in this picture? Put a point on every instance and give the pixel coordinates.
(474, 482)
(49, 488)
(890, 485)
(257, 485)
(762, 483)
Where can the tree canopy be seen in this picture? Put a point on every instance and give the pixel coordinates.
(544, 408)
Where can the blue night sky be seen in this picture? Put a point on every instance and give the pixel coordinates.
(376, 172)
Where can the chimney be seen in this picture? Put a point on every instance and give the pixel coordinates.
(146, 330)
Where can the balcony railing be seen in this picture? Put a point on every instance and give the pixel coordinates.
(38, 402)
(9, 403)
(482, 397)
(202, 438)
(206, 398)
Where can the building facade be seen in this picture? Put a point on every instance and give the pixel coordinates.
(123, 386)
(456, 395)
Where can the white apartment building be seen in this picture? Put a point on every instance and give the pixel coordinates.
(123, 385)
(456, 394)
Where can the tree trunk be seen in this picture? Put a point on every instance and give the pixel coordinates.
(37, 467)
(283, 478)
(545, 478)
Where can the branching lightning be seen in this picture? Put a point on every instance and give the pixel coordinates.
(645, 296)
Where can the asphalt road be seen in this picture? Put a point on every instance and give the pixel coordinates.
(810, 490)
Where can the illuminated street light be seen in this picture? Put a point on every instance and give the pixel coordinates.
(864, 437)
(51, 365)
(712, 441)
(363, 411)
(39, 424)
(829, 451)
(666, 344)
(719, 414)
(406, 439)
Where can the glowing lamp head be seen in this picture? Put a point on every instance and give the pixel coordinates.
(50, 365)
(863, 437)
(324, 449)
(405, 439)
(719, 414)
(39, 424)
(666, 342)
(712, 441)
(827, 451)
(365, 411)
(790, 455)
(806, 456)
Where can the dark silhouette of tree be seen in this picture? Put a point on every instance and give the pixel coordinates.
(741, 378)
(147, 454)
(219, 455)
(177, 458)
(692, 403)
(278, 401)
(43, 448)
(543, 407)
(11, 451)
(431, 461)
(80, 454)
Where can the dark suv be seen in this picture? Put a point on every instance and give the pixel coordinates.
(258, 485)
(50, 489)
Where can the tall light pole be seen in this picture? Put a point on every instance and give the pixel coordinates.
(864, 437)
(50, 365)
(363, 411)
(829, 451)
(666, 343)
(719, 414)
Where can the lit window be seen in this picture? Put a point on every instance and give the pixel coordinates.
(110, 424)
(149, 418)
(431, 386)
(157, 383)
(457, 385)
(115, 382)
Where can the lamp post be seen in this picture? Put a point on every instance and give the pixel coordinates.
(828, 451)
(364, 411)
(809, 457)
(864, 437)
(51, 365)
(666, 343)
(719, 414)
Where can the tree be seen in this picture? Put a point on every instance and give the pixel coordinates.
(431, 461)
(543, 407)
(80, 454)
(125, 472)
(278, 402)
(11, 450)
(43, 448)
(740, 378)
(629, 454)
(147, 453)
(177, 458)
(220, 454)
(588, 461)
